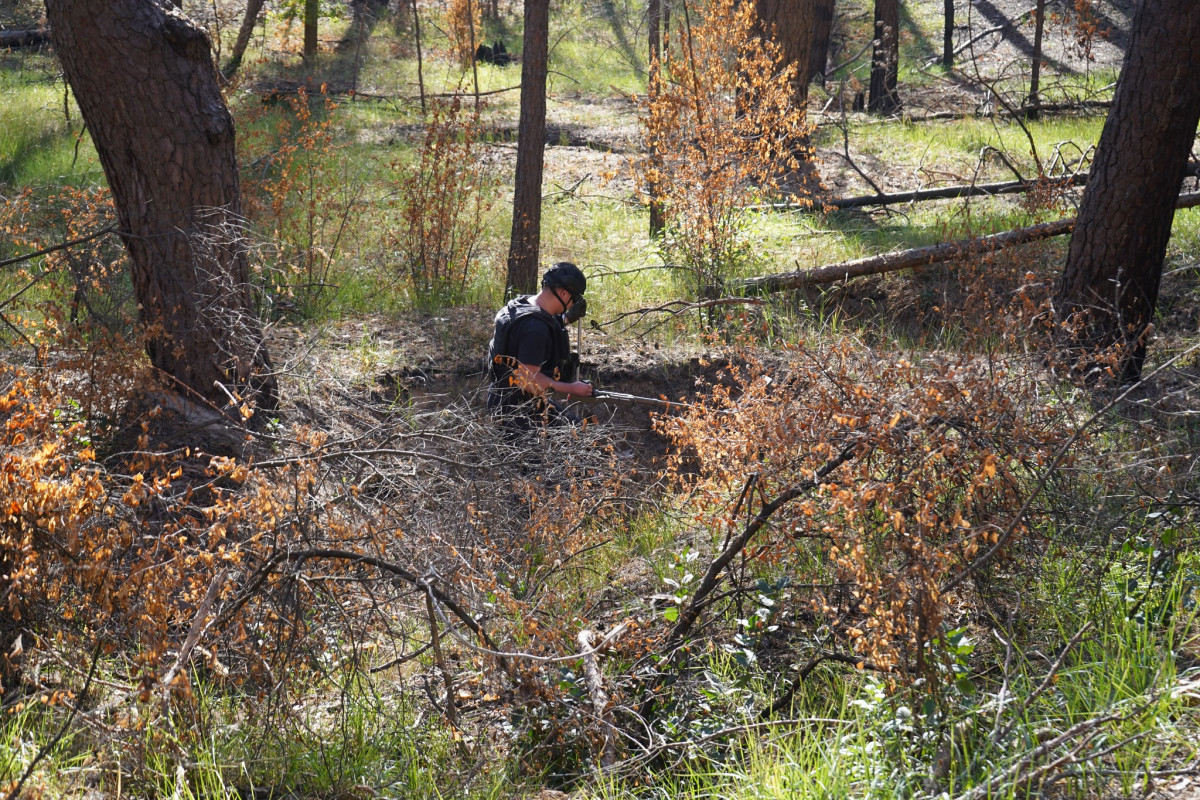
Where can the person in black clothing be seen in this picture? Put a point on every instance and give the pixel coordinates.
(529, 356)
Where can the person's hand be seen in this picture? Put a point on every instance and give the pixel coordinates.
(578, 389)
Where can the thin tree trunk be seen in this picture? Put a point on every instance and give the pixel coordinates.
(654, 13)
(420, 66)
(948, 34)
(885, 58)
(474, 61)
(1109, 286)
(143, 76)
(312, 9)
(1035, 70)
(531, 134)
(253, 8)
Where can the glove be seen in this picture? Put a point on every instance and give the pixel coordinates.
(576, 311)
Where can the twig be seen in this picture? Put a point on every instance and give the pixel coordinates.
(435, 640)
(63, 246)
(595, 683)
(677, 307)
(197, 630)
(712, 577)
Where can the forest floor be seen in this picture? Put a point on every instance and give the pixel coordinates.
(368, 380)
(590, 141)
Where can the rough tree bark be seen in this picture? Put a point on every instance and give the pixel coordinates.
(144, 79)
(312, 10)
(531, 146)
(885, 58)
(1109, 285)
(818, 57)
(1035, 67)
(792, 23)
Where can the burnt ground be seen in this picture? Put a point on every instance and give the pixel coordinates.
(342, 378)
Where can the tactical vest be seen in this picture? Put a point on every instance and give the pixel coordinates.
(502, 360)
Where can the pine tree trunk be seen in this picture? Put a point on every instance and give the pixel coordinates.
(948, 34)
(654, 12)
(792, 23)
(885, 58)
(1109, 285)
(1035, 71)
(531, 134)
(144, 79)
(312, 10)
(818, 58)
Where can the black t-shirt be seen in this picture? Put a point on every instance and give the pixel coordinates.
(534, 338)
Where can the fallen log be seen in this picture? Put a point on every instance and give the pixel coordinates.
(29, 38)
(917, 257)
(943, 193)
(952, 192)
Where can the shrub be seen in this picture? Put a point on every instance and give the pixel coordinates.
(443, 197)
(720, 129)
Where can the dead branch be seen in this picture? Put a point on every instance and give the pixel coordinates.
(595, 683)
(919, 256)
(953, 192)
(267, 568)
(107, 229)
(197, 630)
(904, 259)
(946, 192)
(677, 307)
(15, 791)
(435, 641)
(938, 193)
(1017, 111)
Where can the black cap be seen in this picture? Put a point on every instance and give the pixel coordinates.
(566, 275)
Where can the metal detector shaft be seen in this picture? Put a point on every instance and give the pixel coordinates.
(620, 397)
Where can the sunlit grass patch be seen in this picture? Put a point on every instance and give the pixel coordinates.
(37, 143)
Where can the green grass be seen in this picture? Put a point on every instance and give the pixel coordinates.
(347, 733)
(37, 144)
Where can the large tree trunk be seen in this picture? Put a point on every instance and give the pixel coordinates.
(144, 80)
(818, 57)
(885, 58)
(1110, 283)
(253, 7)
(792, 23)
(531, 146)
